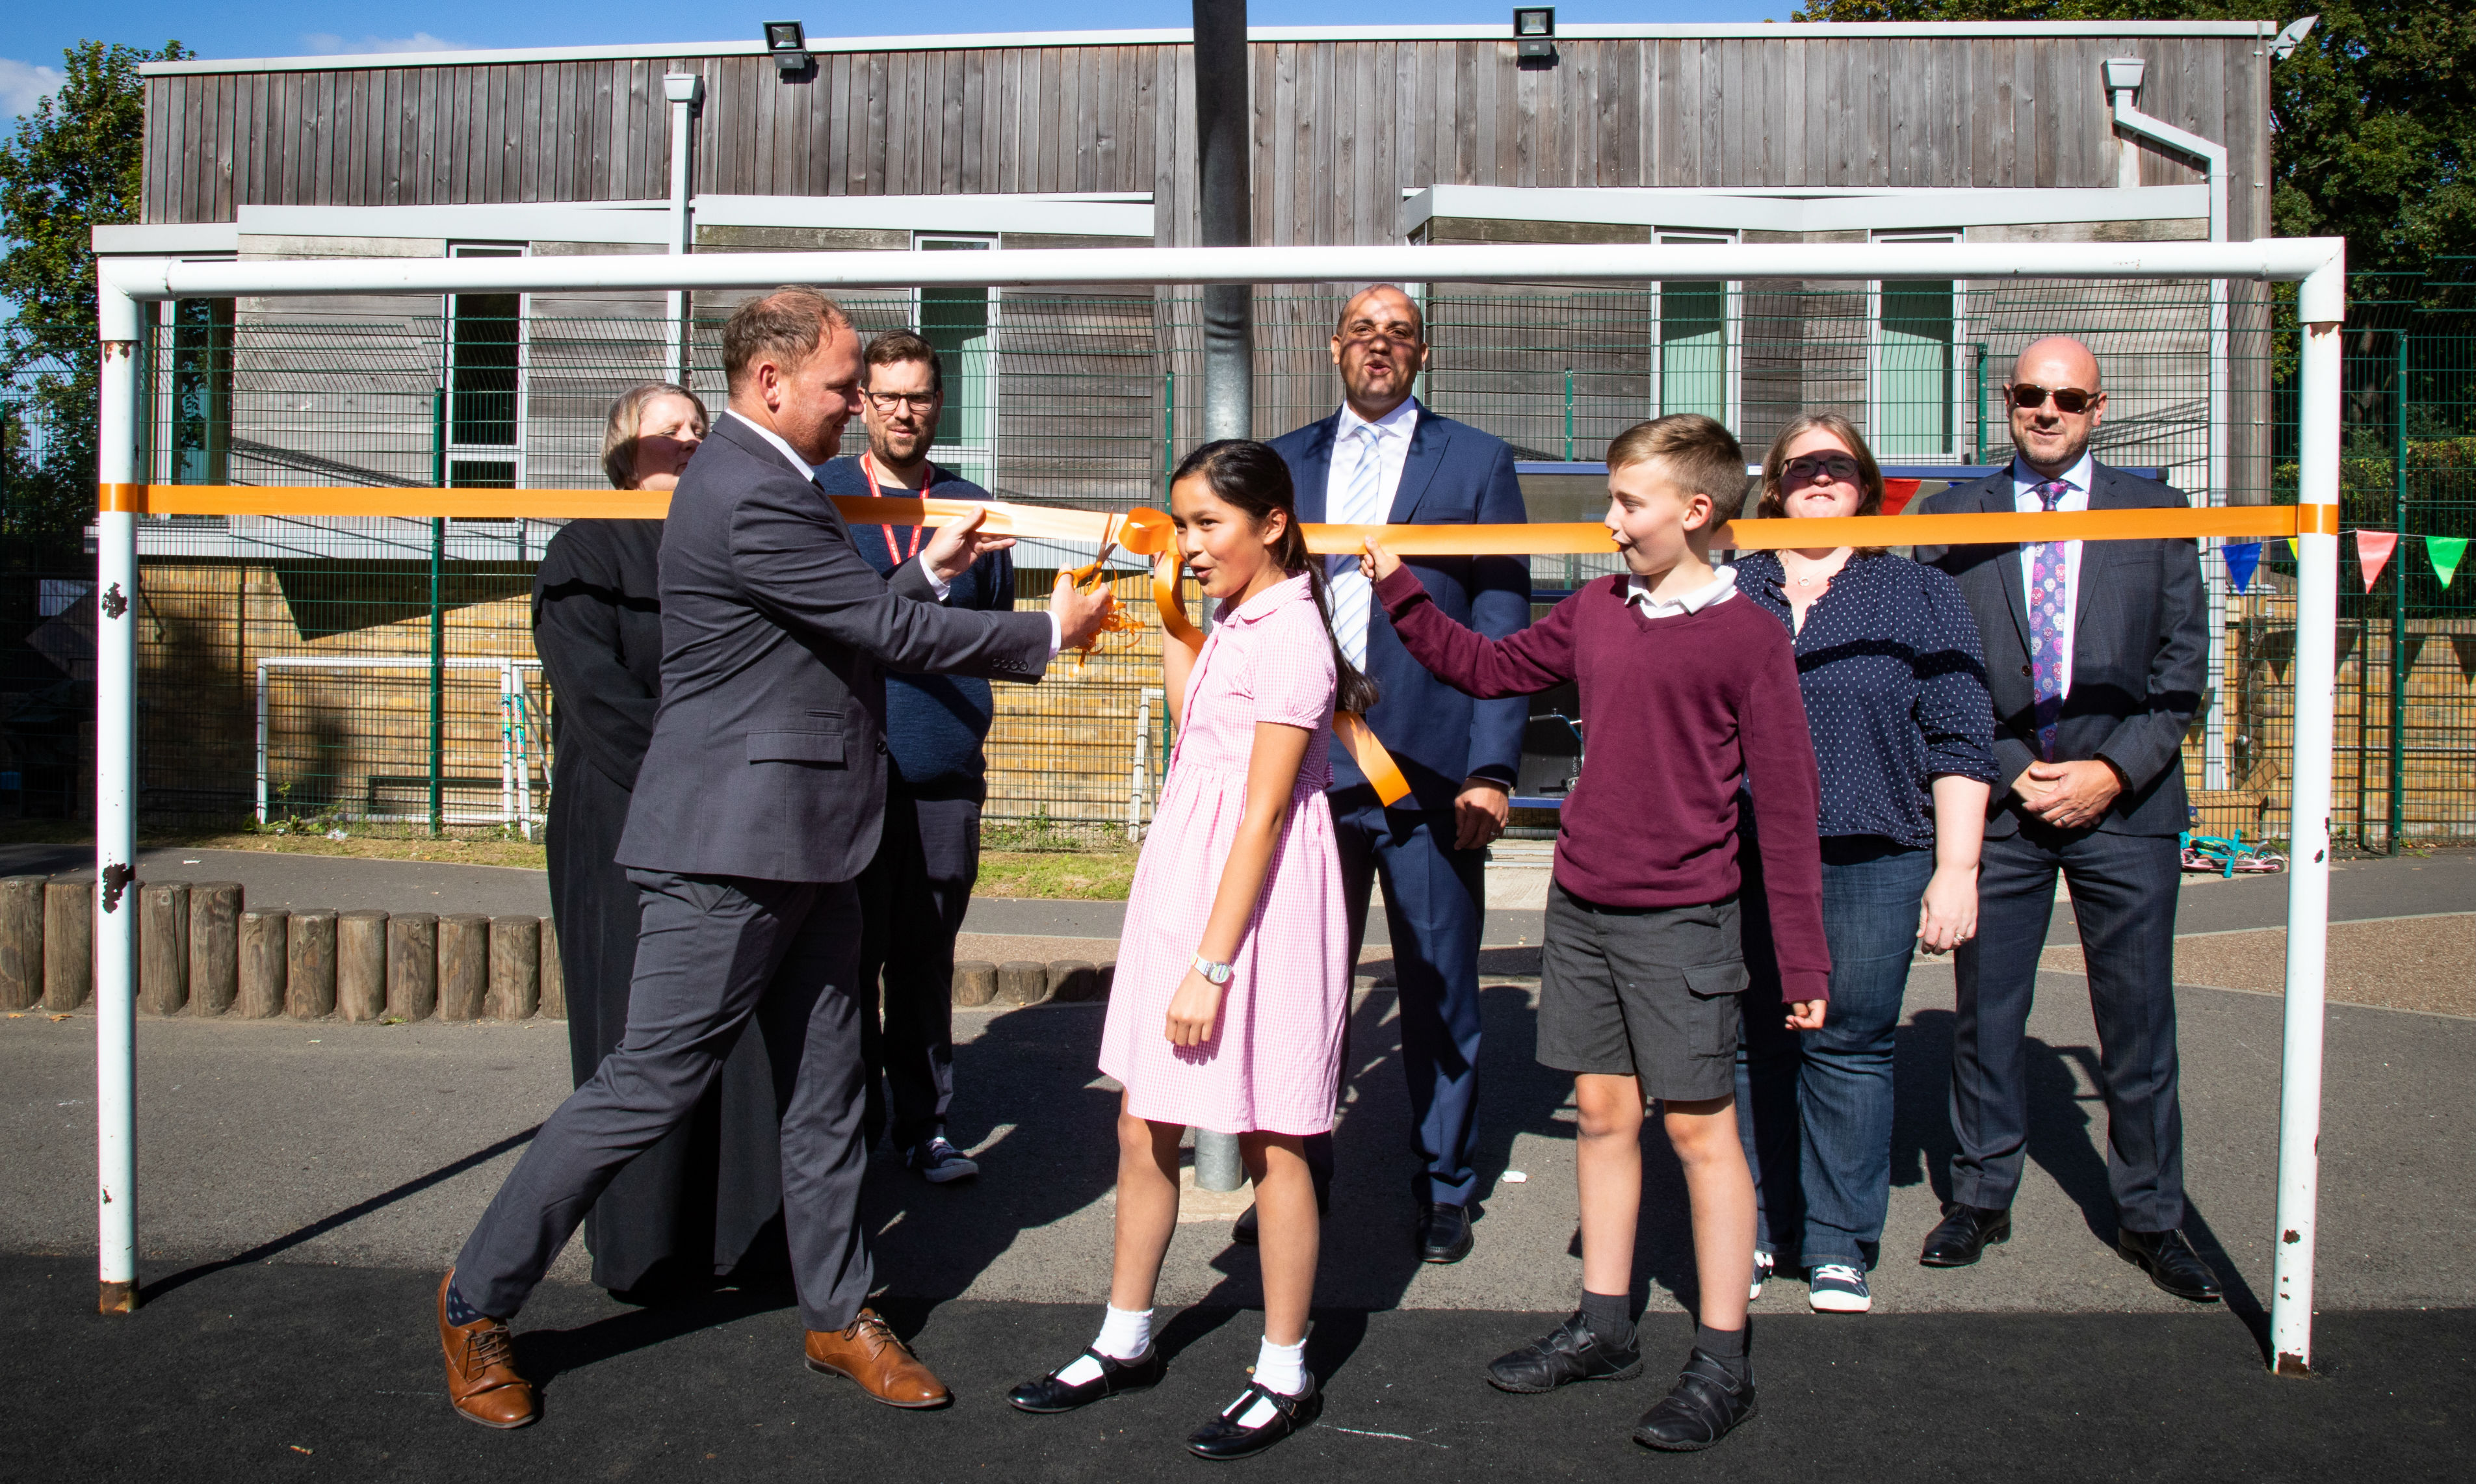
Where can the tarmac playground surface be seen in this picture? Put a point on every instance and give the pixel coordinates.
(303, 1184)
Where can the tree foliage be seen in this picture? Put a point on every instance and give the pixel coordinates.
(2375, 116)
(73, 165)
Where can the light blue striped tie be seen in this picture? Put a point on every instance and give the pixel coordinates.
(1362, 505)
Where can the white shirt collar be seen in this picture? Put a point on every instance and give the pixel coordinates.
(1722, 587)
(1395, 424)
(807, 470)
(2025, 479)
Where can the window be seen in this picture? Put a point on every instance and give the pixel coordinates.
(1913, 407)
(961, 323)
(485, 384)
(198, 440)
(1695, 365)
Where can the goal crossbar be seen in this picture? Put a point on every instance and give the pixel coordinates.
(2316, 265)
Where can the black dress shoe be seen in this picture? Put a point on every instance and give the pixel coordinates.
(1445, 1233)
(2169, 1258)
(1706, 1405)
(1049, 1394)
(1964, 1235)
(1572, 1354)
(1224, 1438)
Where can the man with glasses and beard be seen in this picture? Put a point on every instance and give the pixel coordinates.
(913, 894)
(2096, 656)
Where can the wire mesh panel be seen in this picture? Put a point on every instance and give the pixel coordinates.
(1087, 397)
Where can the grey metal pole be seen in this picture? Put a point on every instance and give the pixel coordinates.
(2398, 608)
(1222, 115)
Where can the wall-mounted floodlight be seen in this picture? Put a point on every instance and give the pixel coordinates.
(788, 41)
(1534, 34)
(2292, 37)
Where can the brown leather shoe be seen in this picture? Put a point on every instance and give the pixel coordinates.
(481, 1380)
(883, 1366)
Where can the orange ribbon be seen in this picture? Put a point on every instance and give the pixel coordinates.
(1348, 727)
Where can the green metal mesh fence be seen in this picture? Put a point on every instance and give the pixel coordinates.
(286, 664)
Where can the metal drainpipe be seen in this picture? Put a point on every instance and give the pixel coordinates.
(2122, 86)
(685, 90)
(1222, 112)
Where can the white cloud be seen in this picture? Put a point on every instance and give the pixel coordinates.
(23, 83)
(327, 43)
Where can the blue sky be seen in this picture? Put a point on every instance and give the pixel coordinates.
(30, 46)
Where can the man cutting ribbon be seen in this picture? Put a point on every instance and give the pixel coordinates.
(1382, 458)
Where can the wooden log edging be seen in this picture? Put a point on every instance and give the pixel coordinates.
(204, 951)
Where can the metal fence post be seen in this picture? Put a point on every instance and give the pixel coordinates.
(2398, 605)
(437, 616)
(1569, 415)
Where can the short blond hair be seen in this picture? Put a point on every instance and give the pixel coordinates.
(1695, 450)
(627, 420)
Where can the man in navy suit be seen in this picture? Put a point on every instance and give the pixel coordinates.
(1384, 460)
(2096, 656)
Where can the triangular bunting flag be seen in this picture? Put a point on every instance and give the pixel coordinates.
(2292, 554)
(2373, 549)
(1897, 493)
(2444, 552)
(2241, 561)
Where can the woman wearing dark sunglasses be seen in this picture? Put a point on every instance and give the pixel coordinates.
(1888, 662)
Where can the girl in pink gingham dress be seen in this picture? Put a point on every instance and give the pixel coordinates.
(1233, 973)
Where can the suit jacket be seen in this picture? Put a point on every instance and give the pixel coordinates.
(1454, 474)
(2140, 653)
(768, 755)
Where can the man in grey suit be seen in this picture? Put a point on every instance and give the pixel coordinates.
(2096, 656)
(758, 802)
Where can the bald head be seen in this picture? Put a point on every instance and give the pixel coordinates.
(2050, 373)
(1379, 344)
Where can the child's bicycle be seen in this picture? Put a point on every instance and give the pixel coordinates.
(2229, 857)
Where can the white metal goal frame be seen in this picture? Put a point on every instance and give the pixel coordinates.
(2316, 264)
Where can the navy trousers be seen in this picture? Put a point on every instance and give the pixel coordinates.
(1435, 905)
(912, 898)
(2124, 896)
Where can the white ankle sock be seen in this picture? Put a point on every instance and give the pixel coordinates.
(1126, 1334)
(1278, 1368)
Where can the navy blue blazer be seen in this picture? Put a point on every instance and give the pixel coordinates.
(1455, 475)
(2141, 649)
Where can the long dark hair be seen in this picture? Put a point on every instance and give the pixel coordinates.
(1251, 478)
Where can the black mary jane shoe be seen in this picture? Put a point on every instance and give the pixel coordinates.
(1706, 1405)
(1049, 1394)
(1223, 1438)
(1574, 1352)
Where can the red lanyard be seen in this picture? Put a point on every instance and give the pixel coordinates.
(927, 475)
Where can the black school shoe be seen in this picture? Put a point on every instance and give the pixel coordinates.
(1223, 1439)
(1574, 1352)
(1706, 1406)
(1049, 1394)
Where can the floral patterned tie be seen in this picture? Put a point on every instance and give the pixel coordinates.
(2049, 592)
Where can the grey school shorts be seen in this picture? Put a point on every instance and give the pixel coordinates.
(1644, 992)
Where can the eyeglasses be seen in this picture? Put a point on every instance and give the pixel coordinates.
(2070, 401)
(1399, 335)
(1838, 467)
(894, 400)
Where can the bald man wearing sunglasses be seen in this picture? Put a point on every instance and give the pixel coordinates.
(2096, 656)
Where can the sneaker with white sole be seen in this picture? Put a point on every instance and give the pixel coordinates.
(1764, 1265)
(1838, 1288)
(940, 1162)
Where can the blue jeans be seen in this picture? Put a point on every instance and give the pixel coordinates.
(1816, 1107)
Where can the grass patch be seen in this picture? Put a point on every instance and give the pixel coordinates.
(367, 842)
(1081, 875)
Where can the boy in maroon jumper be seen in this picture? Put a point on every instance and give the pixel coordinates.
(1688, 695)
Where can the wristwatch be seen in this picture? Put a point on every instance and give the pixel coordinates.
(1218, 974)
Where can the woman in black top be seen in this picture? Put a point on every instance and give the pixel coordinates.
(1894, 687)
(691, 1205)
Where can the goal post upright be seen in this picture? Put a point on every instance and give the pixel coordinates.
(2317, 264)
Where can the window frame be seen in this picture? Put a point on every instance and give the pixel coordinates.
(1732, 333)
(1956, 449)
(514, 453)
